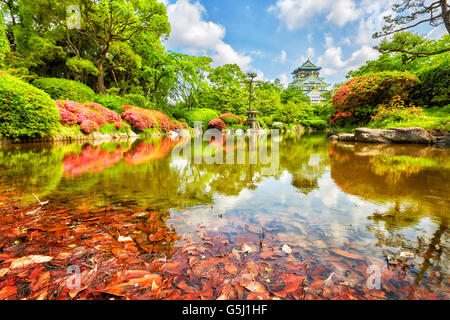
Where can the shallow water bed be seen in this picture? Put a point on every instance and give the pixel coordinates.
(133, 220)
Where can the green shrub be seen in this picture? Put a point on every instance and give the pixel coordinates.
(138, 101)
(357, 100)
(113, 127)
(315, 123)
(267, 120)
(63, 89)
(25, 111)
(396, 110)
(434, 89)
(112, 102)
(203, 115)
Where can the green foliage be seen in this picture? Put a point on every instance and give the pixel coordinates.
(395, 58)
(358, 99)
(138, 101)
(315, 123)
(81, 68)
(431, 118)
(63, 89)
(434, 89)
(227, 92)
(395, 110)
(4, 43)
(112, 102)
(203, 115)
(294, 94)
(25, 110)
(111, 127)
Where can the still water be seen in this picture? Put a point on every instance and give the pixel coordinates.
(343, 208)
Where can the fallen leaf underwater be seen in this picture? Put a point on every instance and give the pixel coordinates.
(122, 253)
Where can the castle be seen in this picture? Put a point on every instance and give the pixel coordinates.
(307, 77)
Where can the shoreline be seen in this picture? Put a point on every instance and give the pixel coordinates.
(411, 135)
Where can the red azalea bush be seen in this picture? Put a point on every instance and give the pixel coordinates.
(340, 115)
(91, 116)
(67, 118)
(89, 126)
(357, 100)
(142, 119)
(218, 124)
(231, 119)
(138, 118)
(109, 115)
(82, 112)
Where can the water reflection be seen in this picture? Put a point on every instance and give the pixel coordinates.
(413, 183)
(371, 200)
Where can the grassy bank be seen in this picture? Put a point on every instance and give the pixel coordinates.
(431, 119)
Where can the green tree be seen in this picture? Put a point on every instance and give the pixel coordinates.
(4, 42)
(227, 93)
(294, 94)
(103, 23)
(191, 75)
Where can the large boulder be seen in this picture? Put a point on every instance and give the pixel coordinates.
(348, 137)
(393, 135)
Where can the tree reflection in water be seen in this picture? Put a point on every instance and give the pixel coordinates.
(413, 181)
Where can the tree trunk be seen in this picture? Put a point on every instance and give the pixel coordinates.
(101, 79)
(445, 15)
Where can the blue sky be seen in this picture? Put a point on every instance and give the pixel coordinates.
(273, 37)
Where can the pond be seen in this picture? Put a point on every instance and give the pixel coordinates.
(135, 220)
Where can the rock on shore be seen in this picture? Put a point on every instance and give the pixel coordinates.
(395, 135)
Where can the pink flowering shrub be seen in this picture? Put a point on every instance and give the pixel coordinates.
(138, 119)
(67, 118)
(142, 119)
(72, 112)
(89, 126)
(109, 115)
(82, 112)
(357, 100)
(218, 124)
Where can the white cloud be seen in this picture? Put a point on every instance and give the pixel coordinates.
(296, 13)
(373, 21)
(343, 11)
(334, 63)
(283, 56)
(195, 35)
(284, 78)
(311, 53)
(225, 54)
(260, 76)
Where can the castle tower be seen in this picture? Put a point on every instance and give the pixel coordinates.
(307, 77)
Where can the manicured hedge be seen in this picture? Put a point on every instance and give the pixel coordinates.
(230, 119)
(25, 111)
(357, 100)
(63, 89)
(204, 115)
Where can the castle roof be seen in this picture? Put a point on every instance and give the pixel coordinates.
(308, 65)
(312, 79)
